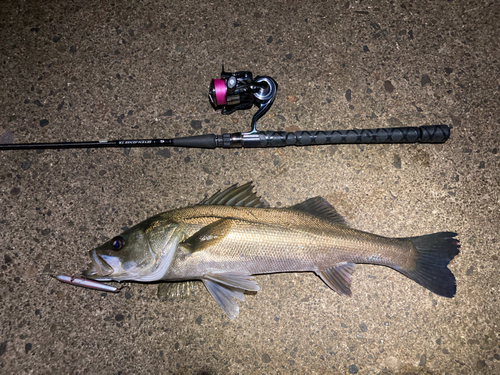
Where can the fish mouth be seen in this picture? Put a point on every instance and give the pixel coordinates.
(99, 269)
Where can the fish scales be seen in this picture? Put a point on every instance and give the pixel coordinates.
(232, 235)
(276, 243)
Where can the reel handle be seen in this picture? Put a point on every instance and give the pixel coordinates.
(264, 99)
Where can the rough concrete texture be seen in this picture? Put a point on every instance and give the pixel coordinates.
(91, 70)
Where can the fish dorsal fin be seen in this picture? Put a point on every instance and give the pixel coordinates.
(319, 207)
(207, 236)
(338, 278)
(225, 287)
(239, 196)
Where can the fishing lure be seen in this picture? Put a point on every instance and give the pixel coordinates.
(86, 283)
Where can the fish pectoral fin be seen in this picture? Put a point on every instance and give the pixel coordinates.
(179, 289)
(239, 196)
(207, 236)
(225, 287)
(319, 207)
(338, 278)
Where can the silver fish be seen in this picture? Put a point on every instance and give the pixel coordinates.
(229, 237)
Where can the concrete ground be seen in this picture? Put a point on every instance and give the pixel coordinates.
(91, 70)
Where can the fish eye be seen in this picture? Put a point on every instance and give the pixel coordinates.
(117, 243)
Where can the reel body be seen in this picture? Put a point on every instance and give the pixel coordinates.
(240, 91)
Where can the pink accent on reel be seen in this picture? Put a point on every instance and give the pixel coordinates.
(220, 92)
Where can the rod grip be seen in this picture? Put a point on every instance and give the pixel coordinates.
(422, 134)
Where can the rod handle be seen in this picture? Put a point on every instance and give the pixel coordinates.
(422, 134)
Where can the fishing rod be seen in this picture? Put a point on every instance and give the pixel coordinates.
(241, 91)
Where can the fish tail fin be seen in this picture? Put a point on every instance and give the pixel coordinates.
(434, 252)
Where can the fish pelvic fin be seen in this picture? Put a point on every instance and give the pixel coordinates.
(179, 289)
(338, 278)
(226, 287)
(239, 196)
(319, 207)
(434, 252)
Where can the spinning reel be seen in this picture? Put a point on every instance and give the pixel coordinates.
(240, 91)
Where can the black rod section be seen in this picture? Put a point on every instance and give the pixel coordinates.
(199, 141)
(422, 134)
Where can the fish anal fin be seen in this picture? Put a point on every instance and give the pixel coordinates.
(207, 236)
(226, 287)
(239, 196)
(319, 207)
(338, 278)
